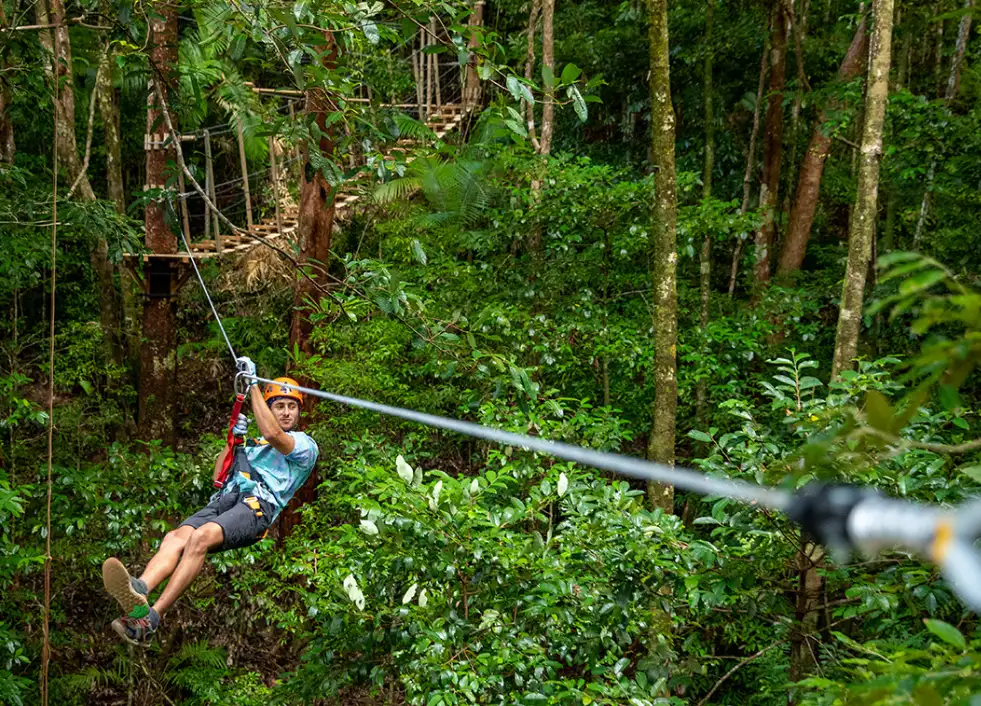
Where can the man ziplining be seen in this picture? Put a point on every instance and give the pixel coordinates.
(265, 473)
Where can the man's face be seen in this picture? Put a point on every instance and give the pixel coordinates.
(286, 412)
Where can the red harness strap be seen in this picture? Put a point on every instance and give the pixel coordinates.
(232, 440)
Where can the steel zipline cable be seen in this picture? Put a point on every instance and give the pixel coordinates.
(207, 295)
(640, 469)
(842, 517)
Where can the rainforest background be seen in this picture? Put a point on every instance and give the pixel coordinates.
(736, 235)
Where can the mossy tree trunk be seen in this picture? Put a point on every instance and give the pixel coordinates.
(663, 257)
(862, 226)
(58, 44)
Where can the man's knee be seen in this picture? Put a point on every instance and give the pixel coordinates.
(204, 538)
(178, 538)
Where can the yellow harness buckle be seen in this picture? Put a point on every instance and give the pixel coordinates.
(253, 503)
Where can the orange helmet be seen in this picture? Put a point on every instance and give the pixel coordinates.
(282, 387)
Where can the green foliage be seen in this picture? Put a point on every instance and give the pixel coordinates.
(520, 584)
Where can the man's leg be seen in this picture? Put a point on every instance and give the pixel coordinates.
(165, 560)
(201, 540)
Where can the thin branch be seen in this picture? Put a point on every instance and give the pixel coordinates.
(801, 76)
(103, 65)
(737, 667)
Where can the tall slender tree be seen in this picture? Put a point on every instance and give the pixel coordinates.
(750, 161)
(772, 142)
(862, 226)
(7, 144)
(58, 43)
(548, 62)
(950, 92)
(315, 221)
(536, 6)
(812, 169)
(664, 256)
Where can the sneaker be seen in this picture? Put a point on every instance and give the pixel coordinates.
(136, 631)
(121, 586)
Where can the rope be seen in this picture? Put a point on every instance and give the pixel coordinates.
(46, 649)
(236, 180)
(207, 295)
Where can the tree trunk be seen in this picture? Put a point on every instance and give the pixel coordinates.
(938, 52)
(126, 330)
(772, 143)
(705, 257)
(543, 146)
(158, 354)
(109, 110)
(472, 81)
(892, 199)
(963, 32)
(818, 149)
(7, 146)
(803, 645)
(59, 44)
(750, 159)
(797, 31)
(315, 226)
(862, 226)
(953, 82)
(548, 59)
(530, 69)
(664, 257)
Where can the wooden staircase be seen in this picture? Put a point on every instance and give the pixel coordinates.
(442, 121)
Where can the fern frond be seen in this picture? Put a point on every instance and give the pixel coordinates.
(411, 129)
(200, 654)
(396, 189)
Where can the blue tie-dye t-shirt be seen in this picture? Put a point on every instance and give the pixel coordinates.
(275, 477)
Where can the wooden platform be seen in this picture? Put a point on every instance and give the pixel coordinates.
(444, 120)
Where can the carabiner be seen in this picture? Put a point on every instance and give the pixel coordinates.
(240, 376)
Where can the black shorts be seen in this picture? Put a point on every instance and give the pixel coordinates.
(244, 519)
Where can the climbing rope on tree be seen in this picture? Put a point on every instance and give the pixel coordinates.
(46, 649)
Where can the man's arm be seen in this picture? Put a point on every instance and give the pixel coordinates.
(219, 461)
(268, 426)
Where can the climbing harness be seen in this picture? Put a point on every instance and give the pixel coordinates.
(844, 518)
